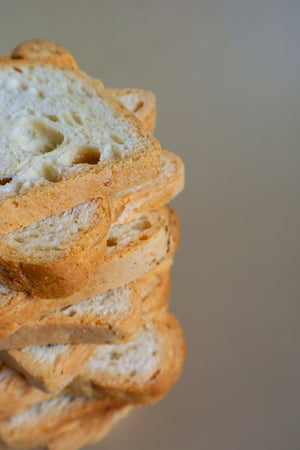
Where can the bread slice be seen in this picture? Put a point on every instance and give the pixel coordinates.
(49, 368)
(52, 423)
(129, 204)
(17, 308)
(139, 102)
(16, 394)
(58, 255)
(141, 371)
(112, 317)
(64, 138)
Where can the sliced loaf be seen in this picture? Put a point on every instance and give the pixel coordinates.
(17, 308)
(64, 139)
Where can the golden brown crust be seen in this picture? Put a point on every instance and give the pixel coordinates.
(19, 210)
(43, 50)
(129, 204)
(145, 109)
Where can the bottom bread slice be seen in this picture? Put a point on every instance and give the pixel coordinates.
(141, 371)
(63, 422)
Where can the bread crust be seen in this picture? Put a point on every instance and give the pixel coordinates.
(129, 204)
(35, 203)
(145, 110)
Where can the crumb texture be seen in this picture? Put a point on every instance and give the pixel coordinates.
(53, 121)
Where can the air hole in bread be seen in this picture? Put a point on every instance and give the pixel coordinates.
(53, 118)
(87, 155)
(17, 69)
(41, 95)
(71, 313)
(115, 356)
(51, 174)
(68, 119)
(77, 118)
(138, 106)
(111, 242)
(116, 138)
(142, 225)
(133, 373)
(144, 237)
(38, 137)
(5, 180)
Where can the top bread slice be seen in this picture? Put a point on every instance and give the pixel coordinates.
(58, 255)
(64, 139)
(141, 103)
(47, 422)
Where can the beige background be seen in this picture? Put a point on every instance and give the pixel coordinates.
(226, 76)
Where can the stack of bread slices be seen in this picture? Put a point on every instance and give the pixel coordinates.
(86, 246)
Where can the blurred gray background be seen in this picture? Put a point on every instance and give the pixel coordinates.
(226, 76)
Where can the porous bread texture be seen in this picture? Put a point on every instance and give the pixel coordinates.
(64, 138)
(49, 368)
(58, 255)
(112, 317)
(129, 204)
(51, 423)
(140, 371)
(139, 102)
(17, 308)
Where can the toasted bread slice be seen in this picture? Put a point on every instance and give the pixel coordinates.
(112, 317)
(141, 371)
(49, 368)
(17, 308)
(64, 138)
(52, 423)
(58, 255)
(139, 102)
